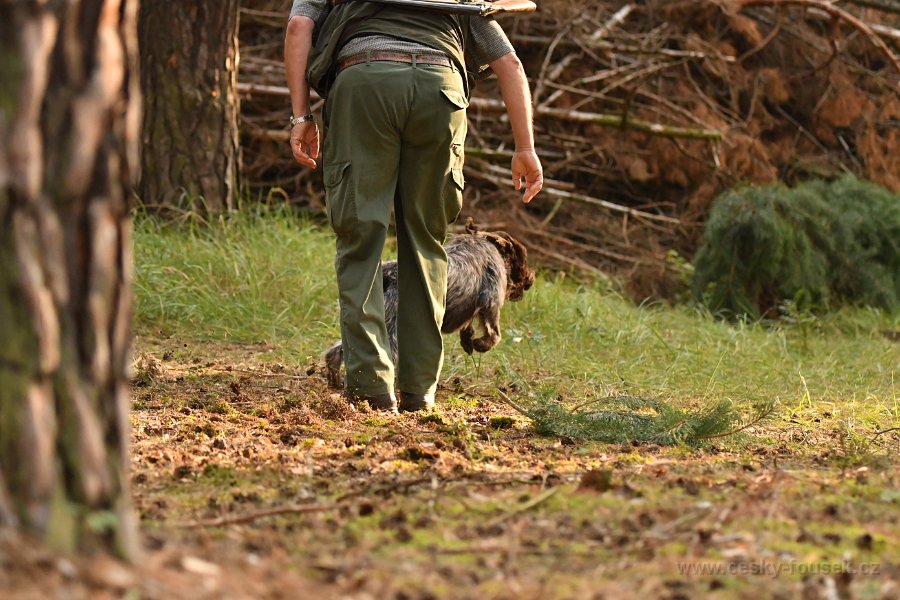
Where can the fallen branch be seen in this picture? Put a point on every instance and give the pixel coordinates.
(621, 48)
(837, 13)
(275, 135)
(617, 19)
(638, 214)
(525, 506)
(548, 57)
(878, 434)
(573, 116)
(496, 549)
(293, 509)
(607, 120)
(283, 135)
(767, 40)
(510, 402)
(269, 90)
(387, 489)
(555, 193)
(763, 414)
(890, 6)
(890, 32)
(558, 239)
(571, 261)
(634, 419)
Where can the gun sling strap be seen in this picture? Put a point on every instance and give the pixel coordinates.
(457, 7)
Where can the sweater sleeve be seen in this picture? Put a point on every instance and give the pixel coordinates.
(316, 10)
(489, 42)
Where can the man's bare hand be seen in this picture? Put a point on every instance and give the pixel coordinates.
(305, 143)
(527, 165)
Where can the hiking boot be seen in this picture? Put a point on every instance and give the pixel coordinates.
(410, 402)
(386, 401)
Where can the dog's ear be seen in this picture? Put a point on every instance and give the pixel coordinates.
(501, 240)
(521, 274)
(520, 277)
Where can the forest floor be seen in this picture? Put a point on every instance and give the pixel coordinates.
(256, 481)
(252, 479)
(468, 502)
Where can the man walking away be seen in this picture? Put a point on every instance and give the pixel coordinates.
(397, 82)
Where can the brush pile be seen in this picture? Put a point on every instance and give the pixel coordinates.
(645, 112)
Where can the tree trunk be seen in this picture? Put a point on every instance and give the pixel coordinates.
(69, 133)
(191, 149)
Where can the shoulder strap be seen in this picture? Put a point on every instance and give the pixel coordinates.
(457, 7)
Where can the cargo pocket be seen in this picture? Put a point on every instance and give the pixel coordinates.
(454, 196)
(455, 97)
(340, 197)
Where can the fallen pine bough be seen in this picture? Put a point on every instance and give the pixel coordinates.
(624, 419)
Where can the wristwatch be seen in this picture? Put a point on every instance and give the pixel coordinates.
(298, 120)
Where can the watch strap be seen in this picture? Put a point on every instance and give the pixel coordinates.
(300, 119)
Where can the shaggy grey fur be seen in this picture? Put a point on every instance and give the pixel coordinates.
(484, 270)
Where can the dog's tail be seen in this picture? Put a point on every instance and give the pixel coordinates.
(334, 358)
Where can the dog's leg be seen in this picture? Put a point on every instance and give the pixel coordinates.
(466, 335)
(490, 319)
(334, 358)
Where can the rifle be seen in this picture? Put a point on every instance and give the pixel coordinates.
(481, 8)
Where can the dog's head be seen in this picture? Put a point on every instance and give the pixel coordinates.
(519, 276)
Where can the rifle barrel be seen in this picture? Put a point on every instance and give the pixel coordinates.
(462, 8)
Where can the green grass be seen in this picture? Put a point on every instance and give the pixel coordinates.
(267, 278)
(230, 423)
(252, 279)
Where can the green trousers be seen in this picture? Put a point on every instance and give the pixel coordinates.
(394, 140)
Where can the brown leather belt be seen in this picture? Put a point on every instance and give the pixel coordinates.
(401, 57)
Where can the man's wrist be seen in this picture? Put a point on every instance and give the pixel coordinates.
(300, 119)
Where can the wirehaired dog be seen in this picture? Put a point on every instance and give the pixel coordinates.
(484, 270)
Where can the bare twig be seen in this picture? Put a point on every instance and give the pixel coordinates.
(878, 434)
(555, 193)
(638, 214)
(387, 489)
(558, 239)
(293, 509)
(623, 48)
(571, 261)
(617, 19)
(509, 401)
(495, 549)
(882, 30)
(891, 6)
(768, 39)
(604, 120)
(542, 76)
(525, 506)
(836, 12)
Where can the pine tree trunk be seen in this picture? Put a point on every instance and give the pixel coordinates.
(191, 148)
(69, 133)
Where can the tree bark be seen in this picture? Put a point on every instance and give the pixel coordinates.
(69, 133)
(191, 147)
